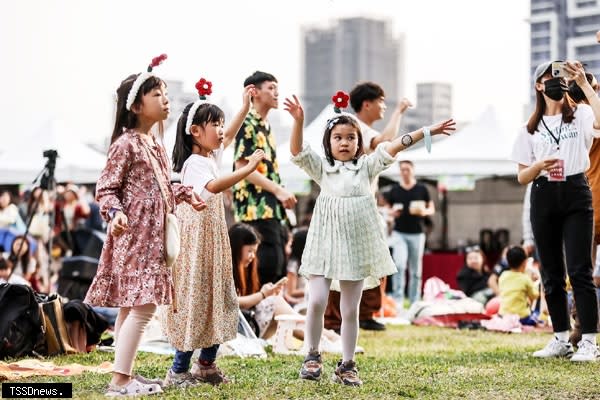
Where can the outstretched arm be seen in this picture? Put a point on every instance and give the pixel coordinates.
(393, 126)
(294, 107)
(405, 141)
(227, 181)
(236, 123)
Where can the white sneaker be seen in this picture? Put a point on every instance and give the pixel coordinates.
(555, 348)
(586, 351)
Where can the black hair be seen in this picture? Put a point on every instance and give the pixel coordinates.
(128, 119)
(14, 257)
(575, 91)
(341, 120)
(3, 263)
(258, 78)
(515, 256)
(205, 114)
(365, 91)
(246, 280)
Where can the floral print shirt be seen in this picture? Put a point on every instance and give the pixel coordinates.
(252, 202)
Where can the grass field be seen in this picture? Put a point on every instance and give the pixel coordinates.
(402, 362)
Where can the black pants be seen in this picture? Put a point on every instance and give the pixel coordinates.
(271, 251)
(562, 215)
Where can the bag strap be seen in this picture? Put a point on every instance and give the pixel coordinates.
(157, 174)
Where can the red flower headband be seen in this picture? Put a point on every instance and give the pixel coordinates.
(141, 78)
(204, 89)
(340, 100)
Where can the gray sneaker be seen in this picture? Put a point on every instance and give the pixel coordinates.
(555, 348)
(312, 367)
(586, 351)
(180, 380)
(347, 374)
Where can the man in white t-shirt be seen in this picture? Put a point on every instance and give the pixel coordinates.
(368, 101)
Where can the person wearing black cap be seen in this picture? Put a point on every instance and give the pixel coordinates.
(552, 151)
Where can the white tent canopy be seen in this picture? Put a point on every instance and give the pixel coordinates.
(21, 158)
(480, 149)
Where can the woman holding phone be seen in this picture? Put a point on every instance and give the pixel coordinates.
(552, 152)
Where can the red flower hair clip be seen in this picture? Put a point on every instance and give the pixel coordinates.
(156, 61)
(204, 88)
(340, 100)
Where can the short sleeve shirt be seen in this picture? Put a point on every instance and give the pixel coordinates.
(406, 222)
(252, 202)
(573, 144)
(198, 171)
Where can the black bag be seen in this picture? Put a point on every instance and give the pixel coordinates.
(94, 323)
(75, 276)
(21, 325)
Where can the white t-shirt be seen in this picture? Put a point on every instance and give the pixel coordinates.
(368, 134)
(573, 146)
(198, 170)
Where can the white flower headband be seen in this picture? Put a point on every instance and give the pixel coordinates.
(204, 89)
(141, 78)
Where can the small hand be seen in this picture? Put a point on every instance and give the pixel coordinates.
(119, 223)
(597, 281)
(443, 128)
(197, 203)
(404, 105)
(294, 108)
(548, 164)
(286, 198)
(576, 72)
(249, 92)
(268, 289)
(255, 158)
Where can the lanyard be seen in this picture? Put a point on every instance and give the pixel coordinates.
(556, 139)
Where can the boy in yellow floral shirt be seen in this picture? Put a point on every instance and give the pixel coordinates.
(260, 200)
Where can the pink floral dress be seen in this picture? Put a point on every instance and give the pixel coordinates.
(132, 270)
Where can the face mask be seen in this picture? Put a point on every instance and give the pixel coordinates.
(555, 88)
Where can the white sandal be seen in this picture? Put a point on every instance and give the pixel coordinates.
(133, 388)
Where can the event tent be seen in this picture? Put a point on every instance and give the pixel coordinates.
(480, 149)
(21, 158)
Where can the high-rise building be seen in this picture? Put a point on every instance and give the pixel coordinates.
(349, 51)
(434, 104)
(565, 30)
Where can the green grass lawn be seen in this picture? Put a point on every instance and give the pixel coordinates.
(401, 362)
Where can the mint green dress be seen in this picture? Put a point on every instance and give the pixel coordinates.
(346, 239)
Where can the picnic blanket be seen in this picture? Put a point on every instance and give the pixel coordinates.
(33, 367)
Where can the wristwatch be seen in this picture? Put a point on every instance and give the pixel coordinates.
(406, 140)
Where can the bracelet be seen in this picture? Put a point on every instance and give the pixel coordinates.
(263, 294)
(427, 137)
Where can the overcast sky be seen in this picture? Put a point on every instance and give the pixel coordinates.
(65, 58)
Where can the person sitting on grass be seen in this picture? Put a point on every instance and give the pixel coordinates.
(472, 279)
(517, 289)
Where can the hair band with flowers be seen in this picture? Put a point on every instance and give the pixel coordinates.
(141, 78)
(204, 89)
(340, 100)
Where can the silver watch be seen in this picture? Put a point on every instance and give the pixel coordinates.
(406, 140)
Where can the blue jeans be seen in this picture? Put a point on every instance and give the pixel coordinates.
(407, 250)
(181, 362)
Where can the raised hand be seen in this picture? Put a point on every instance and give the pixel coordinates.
(255, 158)
(294, 107)
(576, 72)
(443, 128)
(404, 105)
(249, 92)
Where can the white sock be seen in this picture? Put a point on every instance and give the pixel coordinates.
(350, 294)
(590, 337)
(318, 292)
(562, 336)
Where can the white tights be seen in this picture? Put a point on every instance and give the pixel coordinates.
(129, 328)
(318, 292)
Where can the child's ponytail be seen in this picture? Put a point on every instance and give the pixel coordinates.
(183, 142)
